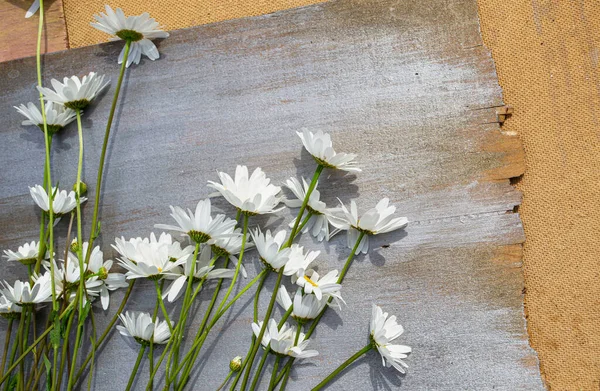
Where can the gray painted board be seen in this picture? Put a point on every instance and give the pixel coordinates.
(407, 85)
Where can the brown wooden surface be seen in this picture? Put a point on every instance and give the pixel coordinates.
(407, 85)
(18, 36)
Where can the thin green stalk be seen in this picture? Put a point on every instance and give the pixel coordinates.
(225, 381)
(311, 187)
(304, 221)
(111, 115)
(65, 349)
(162, 306)
(274, 374)
(343, 366)
(22, 342)
(137, 364)
(6, 345)
(151, 350)
(93, 352)
(108, 329)
(258, 373)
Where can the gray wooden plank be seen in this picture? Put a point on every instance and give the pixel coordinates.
(407, 85)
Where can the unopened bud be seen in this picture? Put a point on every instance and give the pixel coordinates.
(74, 247)
(236, 364)
(83, 188)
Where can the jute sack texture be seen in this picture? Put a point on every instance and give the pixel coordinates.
(546, 54)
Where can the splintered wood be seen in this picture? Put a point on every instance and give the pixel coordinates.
(407, 85)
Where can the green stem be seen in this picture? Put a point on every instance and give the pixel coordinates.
(261, 365)
(6, 345)
(137, 362)
(304, 221)
(311, 187)
(111, 115)
(350, 258)
(162, 306)
(65, 349)
(21, 342)
(343, 366)
(108, 329)
(151, 350)
(225, 381)
(274, 374)
(93, 352)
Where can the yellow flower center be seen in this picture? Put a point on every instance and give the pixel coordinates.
(159, 269)
(311, 282)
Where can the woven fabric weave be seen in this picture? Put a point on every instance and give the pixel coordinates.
(547, 54)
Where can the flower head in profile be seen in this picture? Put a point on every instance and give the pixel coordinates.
(306, 306)
(377, 220)
(230, 245)
(269, 248)
(35, 6)
(384, 330)
(139, 30)
(319, 286)
(320, 147)
(317, 224)
(8, 309)
(139, 326)
(203, 269)
(252, 194)
(200, 226)
(281, 341)
(57, 116)
(21, 293)
(62, 201)
(100, 271)
(152, 261)
(299, 260)
(74, 93)
(27, 254)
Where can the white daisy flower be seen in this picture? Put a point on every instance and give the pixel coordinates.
(139, 326)
(21, 293)
(383, 331)
(66, 279)
(306, 307)
(8, 309)
(232, 245)
(269, 248)
(35, 6)
(319, 286)
(377, 220)
(202, 269)
(27, 254)
(57, 116)
(137, 29)
(74, 93)
(62, 202)
(201, 227)
(251, 194)
(320, 147)
(317, 224)
(128, 248)
(101, 268)
(281, 341)
(152, 261)
(298, 260)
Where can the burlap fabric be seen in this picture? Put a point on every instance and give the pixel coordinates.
(547, 54)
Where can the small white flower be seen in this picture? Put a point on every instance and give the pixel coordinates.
(202, 269)
(377, 220)
(57, 116)
(101, 268)
(35, 6)
(8, 309)
(306, 307)
(383, 331)
(128, 248)
(137, 29)
(21, 293)
(298, 260)
(66, 279)
(62, 202)
(319, 286)
(269, 248)
(152, 261)
(251, 194)
(320, 147)
(318, 225)
(281, 341)
(201, 227)
(27, 254)
(139, 326)
(74, 93)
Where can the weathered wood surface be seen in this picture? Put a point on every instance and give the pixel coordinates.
(18, 36)
(405, 84)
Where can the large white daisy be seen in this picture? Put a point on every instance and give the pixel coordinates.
(139, 326)
(320, 147)
(138, 29)
(384, 330)
(377, 220)
(57, 116)
(269, 248)
(62, 201)
(306, 306)
(281, 341)
(317, 224)
(252, 194)
(21, 293)
(319, 286)
(152, 261)
(74, 93)
(27, 254)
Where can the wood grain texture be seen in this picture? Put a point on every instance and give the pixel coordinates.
(407, 85)
(18, 36)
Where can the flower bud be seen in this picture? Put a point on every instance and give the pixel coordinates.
(236, 364)
(83, 188)
(74, 247)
